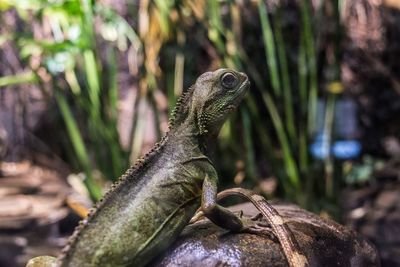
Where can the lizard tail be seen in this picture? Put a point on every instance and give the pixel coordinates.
(285, 236)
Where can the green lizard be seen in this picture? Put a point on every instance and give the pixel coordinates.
(154, 200)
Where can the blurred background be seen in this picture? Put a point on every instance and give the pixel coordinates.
(86, 88)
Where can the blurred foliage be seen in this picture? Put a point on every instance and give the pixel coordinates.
(170, 44)
(361, 172)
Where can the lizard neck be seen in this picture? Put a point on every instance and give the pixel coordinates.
(188, 134)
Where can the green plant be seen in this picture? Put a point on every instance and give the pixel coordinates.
(87, 100)
(277, 122)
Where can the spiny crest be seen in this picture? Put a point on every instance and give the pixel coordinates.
(71, 240)
(181, 108)
(139, 164)
(135, 169)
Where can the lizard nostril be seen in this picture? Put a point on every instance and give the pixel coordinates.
(243, 76)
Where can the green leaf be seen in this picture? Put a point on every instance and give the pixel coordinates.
(78, 145)
(270, 51)
(22, 78)
(93, 82)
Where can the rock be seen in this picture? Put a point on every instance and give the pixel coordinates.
(388, 199)
(32, 203)
(30, 195)
(324, 242)
(380, 223)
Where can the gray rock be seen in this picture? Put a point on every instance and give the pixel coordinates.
(324, 242)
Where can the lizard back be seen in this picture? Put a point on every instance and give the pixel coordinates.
(146, 209)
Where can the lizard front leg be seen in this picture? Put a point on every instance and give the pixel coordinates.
(214, 212)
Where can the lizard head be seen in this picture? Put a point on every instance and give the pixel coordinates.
(215, 95)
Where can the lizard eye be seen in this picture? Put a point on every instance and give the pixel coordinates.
(229, 80)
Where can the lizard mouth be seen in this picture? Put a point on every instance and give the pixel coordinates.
(239, 95)
(241, 91)
(245, 85)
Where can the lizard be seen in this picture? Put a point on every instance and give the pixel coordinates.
(148, 207)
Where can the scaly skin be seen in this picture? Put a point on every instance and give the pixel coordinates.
(290, 247)
(152, 203)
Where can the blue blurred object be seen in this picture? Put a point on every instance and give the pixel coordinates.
(345, 131)
(320, 148)
(346, 149)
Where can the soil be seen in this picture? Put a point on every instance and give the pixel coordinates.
(374, 211)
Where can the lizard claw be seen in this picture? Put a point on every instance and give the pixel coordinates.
(263, 224)
(251, 226)
(239, 213)
(256, 217)
(197, 217)
(259, 230)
